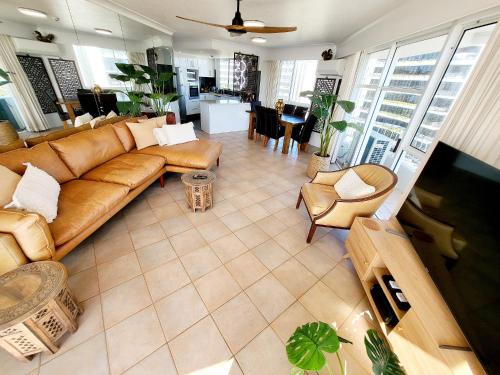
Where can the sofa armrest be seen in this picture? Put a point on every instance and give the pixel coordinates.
(31, 232)
(11, 255)
(328, 178)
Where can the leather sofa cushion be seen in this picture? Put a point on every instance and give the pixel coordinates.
(81, 203)
(318, 197)
(127, 169)
(86, 150)
(57, 134)
(195, 154)
(41, 156)
(14, 145)
(11, 255)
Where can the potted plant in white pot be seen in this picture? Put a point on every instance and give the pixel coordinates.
(320, 160)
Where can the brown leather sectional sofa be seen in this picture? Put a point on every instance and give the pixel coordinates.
(100, 171)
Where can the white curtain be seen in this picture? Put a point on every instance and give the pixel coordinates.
(473, 125)
(21, 87)
(271, 82)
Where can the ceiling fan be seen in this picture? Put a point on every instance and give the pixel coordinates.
(239, 27)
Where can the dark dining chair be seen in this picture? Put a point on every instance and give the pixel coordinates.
(273, 128)
(288, 110)
(300, 112)
(302, 134)
(260, 122)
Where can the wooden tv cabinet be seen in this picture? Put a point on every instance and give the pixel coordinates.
(427, 338)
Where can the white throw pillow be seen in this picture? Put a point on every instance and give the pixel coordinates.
(161, 136)
(37, 192)
(111, 115)
(181, 133)
(83, 119)
(96, 120)
(351, 186)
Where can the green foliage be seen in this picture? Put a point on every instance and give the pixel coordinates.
(306, 346)
(384, 360)
(323, 111)
(5, 77)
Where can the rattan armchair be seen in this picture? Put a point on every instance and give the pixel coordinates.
(327, 209)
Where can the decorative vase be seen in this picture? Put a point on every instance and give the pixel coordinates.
(171, 118)
(280, 106)
(318, 163)
(7, 133)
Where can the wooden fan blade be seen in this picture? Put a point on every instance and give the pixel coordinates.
(269, 29)
(203, 22)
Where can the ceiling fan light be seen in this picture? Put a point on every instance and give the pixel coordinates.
(253, 23)
(32, 12)
(258, 39)
(102, 31)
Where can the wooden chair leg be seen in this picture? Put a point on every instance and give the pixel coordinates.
(299, 200)
(312, 230)
(276, 141)
(162, 181)
(218, 161)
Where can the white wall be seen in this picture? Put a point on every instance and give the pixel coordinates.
(306, 52)
(411, 17)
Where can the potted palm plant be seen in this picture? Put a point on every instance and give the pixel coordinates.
(323, 103)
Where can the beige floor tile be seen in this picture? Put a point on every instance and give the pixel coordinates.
(113, 226)
(270, 254)
(316, 261)
(228, 247)
(158, 200)
(87, 358)
(332, 309)
(289, 216)
(271, 225)
(239, 322)
(187, 241)
(345, 284)
(180, 310)
(113, 247)
(246, 269)
(251, 236)
(293, 317)
(255, 212)
(147, 235)
(200, 262)
(139, 204)
(167, 211)
(176, 225)
(124, 300)
(159, 362)
(133, 339)
(216, 288)
(199, 218)
(141, 219)
(264, 355)
(270, 297)
(166, 279)
(291, 240)
(118, 271)
(89, 324)
(155, 255)
(223, 208)
(295, 277)
(200, 348)
(80, 258)
(12, 366)
(351, 364)
(214, 230)
(84, 284)
(272, 205)
(331, 246)
(236, 220)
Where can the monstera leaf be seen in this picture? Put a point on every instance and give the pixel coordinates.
(306, 346)
(384, 361)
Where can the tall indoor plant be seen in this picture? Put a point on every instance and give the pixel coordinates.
(323, 103)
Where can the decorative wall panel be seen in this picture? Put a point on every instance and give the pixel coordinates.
(39, 79)
(246, 75)
(67, 77)
(324, 86)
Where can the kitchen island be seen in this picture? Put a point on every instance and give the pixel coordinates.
(223, 115)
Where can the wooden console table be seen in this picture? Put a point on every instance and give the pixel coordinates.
(427, 338)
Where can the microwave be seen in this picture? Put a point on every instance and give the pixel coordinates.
(192, 75)
(194, 92)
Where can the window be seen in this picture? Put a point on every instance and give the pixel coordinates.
(97, 63)
(8, 107)
(295, 77)
(226, 68)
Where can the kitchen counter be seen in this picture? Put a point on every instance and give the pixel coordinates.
(223, 115)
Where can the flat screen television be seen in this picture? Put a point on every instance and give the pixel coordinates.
(452, 217)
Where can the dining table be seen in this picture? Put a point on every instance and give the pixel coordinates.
(287, 121)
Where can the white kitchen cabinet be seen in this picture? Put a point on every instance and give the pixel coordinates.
(192, 107)
(206, 67)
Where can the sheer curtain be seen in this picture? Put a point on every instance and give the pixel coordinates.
(271, 82)
(21, 87)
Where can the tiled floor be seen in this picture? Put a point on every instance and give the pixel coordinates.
(168, 291)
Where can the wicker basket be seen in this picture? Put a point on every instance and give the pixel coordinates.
(7, 133)
(318, 163)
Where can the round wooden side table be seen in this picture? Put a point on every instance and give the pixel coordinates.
(199, 192)
(36, 309)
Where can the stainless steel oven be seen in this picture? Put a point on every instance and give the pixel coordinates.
(194, 91)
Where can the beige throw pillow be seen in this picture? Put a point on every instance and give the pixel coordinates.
(143, 133)
(159, 121)
(351, 186)
(9, 183)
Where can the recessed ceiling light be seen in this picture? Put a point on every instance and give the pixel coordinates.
(253, 23)
(32, 12)
(258, 39)
(103, 31)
